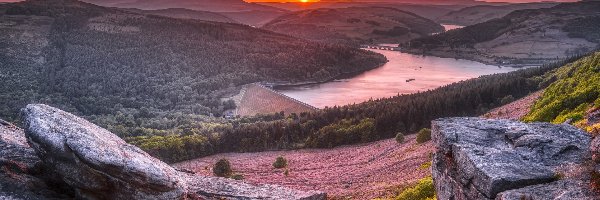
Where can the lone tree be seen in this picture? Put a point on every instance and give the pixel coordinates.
(280, 162)
(222, 168)
(400, 138)
(424, 135)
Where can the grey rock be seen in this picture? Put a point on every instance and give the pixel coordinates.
(595, 149)
(19, 167)
(95, 162)
(569, 189)
(221, 188)
(478, 158)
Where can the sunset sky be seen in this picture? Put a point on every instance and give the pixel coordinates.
(394, 0)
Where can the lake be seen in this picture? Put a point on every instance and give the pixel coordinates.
(403, 74)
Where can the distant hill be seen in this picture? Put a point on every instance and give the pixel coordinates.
(428, 11)
(182, 13)
(524, 36)
(112, 65)
(481, 13)
(353, 26)
(247, 13)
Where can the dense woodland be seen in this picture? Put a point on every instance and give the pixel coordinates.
(365, 122)
(122, 69)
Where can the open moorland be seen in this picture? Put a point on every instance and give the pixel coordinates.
(363, 171)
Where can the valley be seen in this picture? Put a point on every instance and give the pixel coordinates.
(336, 99)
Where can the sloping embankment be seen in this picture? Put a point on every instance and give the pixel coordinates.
(257, 99)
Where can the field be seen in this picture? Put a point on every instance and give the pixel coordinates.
(365, 171)
(256, 99)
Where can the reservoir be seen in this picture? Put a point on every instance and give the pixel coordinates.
(403, 74)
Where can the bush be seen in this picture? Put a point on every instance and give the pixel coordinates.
(222, 168)
(507, 99)
(424, 135)
(280, 162)
(286, 172)
(424, 190)
(237, 177)
(400, 138)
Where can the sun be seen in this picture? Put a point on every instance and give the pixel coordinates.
(304, 1)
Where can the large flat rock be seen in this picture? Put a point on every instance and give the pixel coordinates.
(478, 158)
(95, 162)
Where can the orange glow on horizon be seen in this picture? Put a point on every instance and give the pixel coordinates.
(284, 1)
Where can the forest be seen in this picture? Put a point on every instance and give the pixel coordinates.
(149, 72)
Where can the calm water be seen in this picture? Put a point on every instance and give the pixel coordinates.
(451, 26)
(391, 79)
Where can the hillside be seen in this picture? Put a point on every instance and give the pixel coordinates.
(247, 13)
(366, 171)
(482, 13)
(525, 36)
(182, 13)
(145, 72)
(574, 97)
(354, 26)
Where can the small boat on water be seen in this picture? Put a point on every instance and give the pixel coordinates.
(409, 80)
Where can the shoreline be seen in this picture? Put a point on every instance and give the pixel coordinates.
(279, 85)
(485, 59)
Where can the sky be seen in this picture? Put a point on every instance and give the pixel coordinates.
(516, 1)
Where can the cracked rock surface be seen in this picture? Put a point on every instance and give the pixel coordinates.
(480, 158)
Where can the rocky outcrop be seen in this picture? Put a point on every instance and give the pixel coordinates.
(97, 164)
(20, 167)
(502, 159)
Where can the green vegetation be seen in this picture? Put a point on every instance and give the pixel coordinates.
(399, 138)
(222, 168)
(425, 166)
(575, 92)
(280, 162)
(423, 190)
(344, 132)
(424, 135)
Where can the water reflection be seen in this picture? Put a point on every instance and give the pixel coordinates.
(392, 79)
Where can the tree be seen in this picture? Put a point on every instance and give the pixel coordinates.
(280, 162)
(424, 135)
(222, 168)
(400, 138)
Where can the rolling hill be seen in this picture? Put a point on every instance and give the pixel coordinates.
(182, 13)
(247, 13)
(354, 26)
(521, 37)
(482, 13)
(149, 71)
